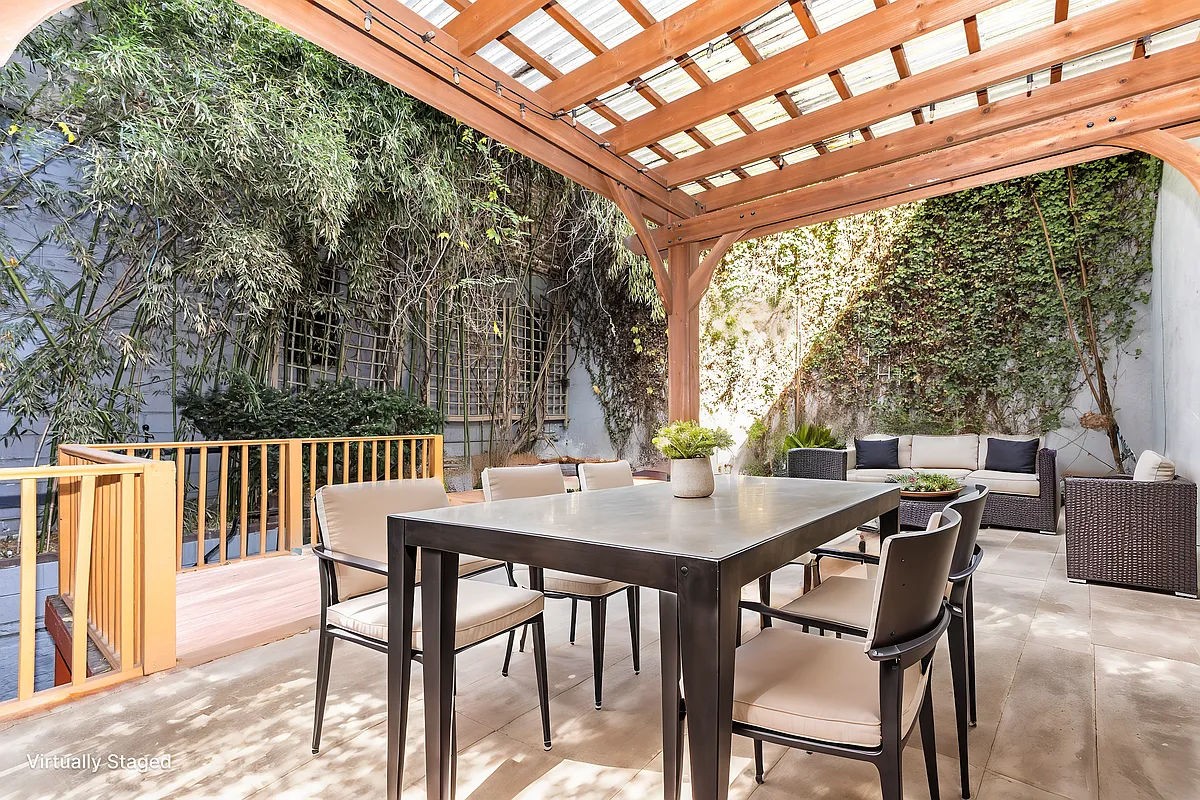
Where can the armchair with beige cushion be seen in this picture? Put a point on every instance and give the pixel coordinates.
(844, 698)
(1137, 531)
(351, 549)
(511, 483)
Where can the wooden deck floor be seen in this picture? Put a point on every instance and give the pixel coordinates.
(225, 609)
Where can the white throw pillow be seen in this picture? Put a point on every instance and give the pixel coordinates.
(1152, 466)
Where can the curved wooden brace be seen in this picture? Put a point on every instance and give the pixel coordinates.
(19, 18)
(1168, 147)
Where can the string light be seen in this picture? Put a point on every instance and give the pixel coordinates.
(367, 20)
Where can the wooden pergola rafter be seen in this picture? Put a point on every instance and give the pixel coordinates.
(703, 125)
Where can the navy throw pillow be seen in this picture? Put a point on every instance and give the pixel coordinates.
(877, 453)
(1004, 455)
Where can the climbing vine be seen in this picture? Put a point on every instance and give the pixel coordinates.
(937, 317)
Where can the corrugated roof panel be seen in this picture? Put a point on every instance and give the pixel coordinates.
(775, 31)
(936, 48)
(628, 104)
(552, 41)
(870, 72)
(1176, 37)
(816, 93)
(681, 144)
(893, 124)
(765, 113)
(955, 105)
(720, 60)
(723, 179)
(1013, 19)
(1018, 86)
(435, 11)
(844, 140)
(594, 121)
(1078, 7)
(720, 129)
(1107, 58)
(829, 14)
(692, 189)
(759, 167)
(671, 82)
(607, 20)
(803, 154)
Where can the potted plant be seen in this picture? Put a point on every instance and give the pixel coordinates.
(690, 447)
(927, 485)
(813, 451)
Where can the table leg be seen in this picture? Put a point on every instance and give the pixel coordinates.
(439, 600)
(708, 622)
(889, 523)
(402, 564)
(672, 716)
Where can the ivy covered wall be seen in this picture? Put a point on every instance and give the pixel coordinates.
(936, 317)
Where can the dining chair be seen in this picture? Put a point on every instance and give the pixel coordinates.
(351, 550)
(844, 698)
(613, 475)
(842, 604)
(509, 483)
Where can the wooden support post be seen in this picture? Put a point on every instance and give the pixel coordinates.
(158, 567)
(1182, 155)
(683, 336)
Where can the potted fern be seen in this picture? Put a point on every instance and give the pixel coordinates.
(690, 446)
(814, 452)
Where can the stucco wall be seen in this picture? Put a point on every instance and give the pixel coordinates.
(1175, 316)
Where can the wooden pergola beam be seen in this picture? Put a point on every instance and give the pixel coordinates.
(1087, 33)
(397, 53)
(1169, 148)
(658, 44)
(1149, 111)
(1104, 86)
(864, 206)
(485, 20)
(632, 209)
(702, 277)
(871, 33)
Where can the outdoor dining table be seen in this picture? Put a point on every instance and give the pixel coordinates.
(697, 552)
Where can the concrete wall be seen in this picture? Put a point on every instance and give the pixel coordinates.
(1175, 321)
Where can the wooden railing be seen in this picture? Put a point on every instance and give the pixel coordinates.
(116, 582)
(251, 498)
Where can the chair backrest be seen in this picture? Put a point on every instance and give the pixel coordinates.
(508, 483)
(970, 508)
(608, 475)
(913, 568)
(352, 519)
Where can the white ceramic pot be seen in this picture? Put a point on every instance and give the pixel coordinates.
(692, 477)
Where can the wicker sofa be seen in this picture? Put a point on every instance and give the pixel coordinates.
(1131, 532)
(1016, 500)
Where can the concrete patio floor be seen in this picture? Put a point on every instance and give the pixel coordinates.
(1084, 692)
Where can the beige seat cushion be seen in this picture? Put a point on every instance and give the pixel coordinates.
(558, 582)
(816, 687)
(983, 443)
(1007, 482)
(1152, 466)
(609, 475)
(352, 519)
(874, 475)
(484, 610)
(509, 483)
(844, 600)
(946, 452)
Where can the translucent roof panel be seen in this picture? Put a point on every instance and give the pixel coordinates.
(551, 41)
(1019, 86)
(936, 48)
(870, 73)
(721, 129)
(816, 93)
(611, 25)
(775, 32)
(1102, 60)
(671, 82)
(765, 113)
(898, 123)
(1013, 19)
(829, 14)
(1176, 37)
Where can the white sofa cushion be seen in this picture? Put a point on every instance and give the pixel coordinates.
(945, 452)
(1152, 466)
(874, 475)
(983, 443)
(1006, 482)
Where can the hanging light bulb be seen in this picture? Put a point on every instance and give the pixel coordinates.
(367, 19)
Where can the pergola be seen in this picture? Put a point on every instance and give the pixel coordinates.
(712, 121)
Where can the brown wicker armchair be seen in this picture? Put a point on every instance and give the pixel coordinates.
(1132, 533)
